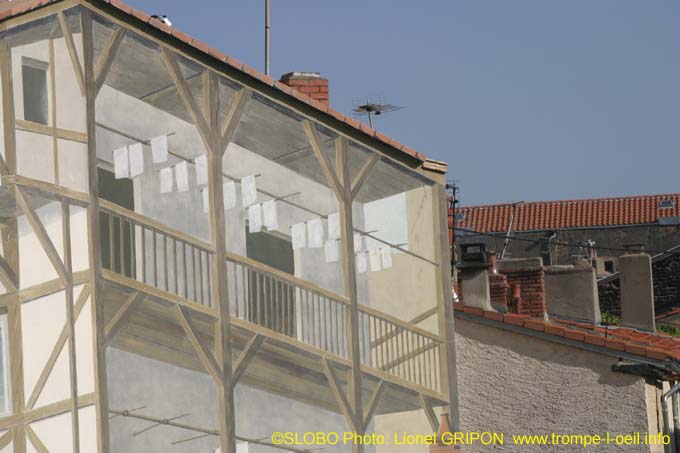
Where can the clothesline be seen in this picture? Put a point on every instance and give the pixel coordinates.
(274, 196)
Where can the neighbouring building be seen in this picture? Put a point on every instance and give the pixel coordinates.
(666, 275)
(647, 222)
(195, 256)
(534, 358)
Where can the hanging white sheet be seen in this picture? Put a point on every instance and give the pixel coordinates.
(315, 232)
(334, 226)
(159, 149)
(361, 262)
(136, 153)
(248, 191)
(166, 179)
(182, 176)
(374, 259)
(255, 218)
(121, 163)
(299, 236)
(201, 163)
(386, 255)
(358, 242)
(331, 251)
(270, 215)
(206, 199)
(229, 190)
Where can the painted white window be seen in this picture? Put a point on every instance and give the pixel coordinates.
(34, 79)
(5, 401)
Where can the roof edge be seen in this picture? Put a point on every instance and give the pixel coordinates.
(25, 6)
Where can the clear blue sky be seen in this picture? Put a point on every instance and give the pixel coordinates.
(525, 99)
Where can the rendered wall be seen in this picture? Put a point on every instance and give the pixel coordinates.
(522, 385)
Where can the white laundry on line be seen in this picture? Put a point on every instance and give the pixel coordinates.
(361, 262)
(334, 226)
(331, 250)
(270, 216)
(358, 242)
(315, 232)
(182, 176)
(386, 255)
(374, 259)
(299, 236)
(166, 179)
(201, 163)
(121, 163)
(255, 218)
(159, 149)
(136, 154)
(229, 191)
(248, 190)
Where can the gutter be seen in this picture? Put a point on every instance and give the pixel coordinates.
(671, 394)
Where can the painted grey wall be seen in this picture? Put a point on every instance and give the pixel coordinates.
(169, 391)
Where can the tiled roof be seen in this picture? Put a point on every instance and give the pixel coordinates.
(588, 213)
(618, 339)
(23, 6)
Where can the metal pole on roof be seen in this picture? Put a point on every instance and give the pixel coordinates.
(266, 37)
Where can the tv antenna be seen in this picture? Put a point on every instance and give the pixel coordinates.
(372, 105)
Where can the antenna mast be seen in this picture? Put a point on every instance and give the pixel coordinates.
(372, 105)
(266, 37)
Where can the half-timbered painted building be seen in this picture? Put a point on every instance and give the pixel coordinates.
(195, 256)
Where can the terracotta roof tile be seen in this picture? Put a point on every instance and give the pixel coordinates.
(21, 7)
(620, 339)
(547, 215)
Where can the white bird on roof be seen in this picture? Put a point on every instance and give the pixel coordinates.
(163, 18)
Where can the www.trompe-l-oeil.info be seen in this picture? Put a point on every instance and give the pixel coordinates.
(319, 438)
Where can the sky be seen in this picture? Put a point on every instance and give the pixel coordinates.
(525, 99)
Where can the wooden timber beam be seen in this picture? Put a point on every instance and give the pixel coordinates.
(341, 398)
(94, 241)
(223, 335)
(9, 279)
(70, 324)
(373, 404)
(204, 354)
(5, 439)
(331, 176)
(43, 237)
(363, 175)
(350, 278)
(122, 315)
(447, 350)
(35, 440)
(43, 412)
(233, 118)
(246, 356)
(8, 166)
(190, 103)
(72, 52)
(10, 250)
(105, 61)
(429, 412)
(56, 350)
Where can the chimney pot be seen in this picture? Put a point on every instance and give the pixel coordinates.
(309, 83)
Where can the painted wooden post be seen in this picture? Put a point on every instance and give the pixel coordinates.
(10, 247)
(447, 351)
(94, 241)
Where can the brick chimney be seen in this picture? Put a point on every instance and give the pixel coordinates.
(310, 83)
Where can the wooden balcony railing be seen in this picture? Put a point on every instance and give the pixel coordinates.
(141, 248)
(138, 247)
